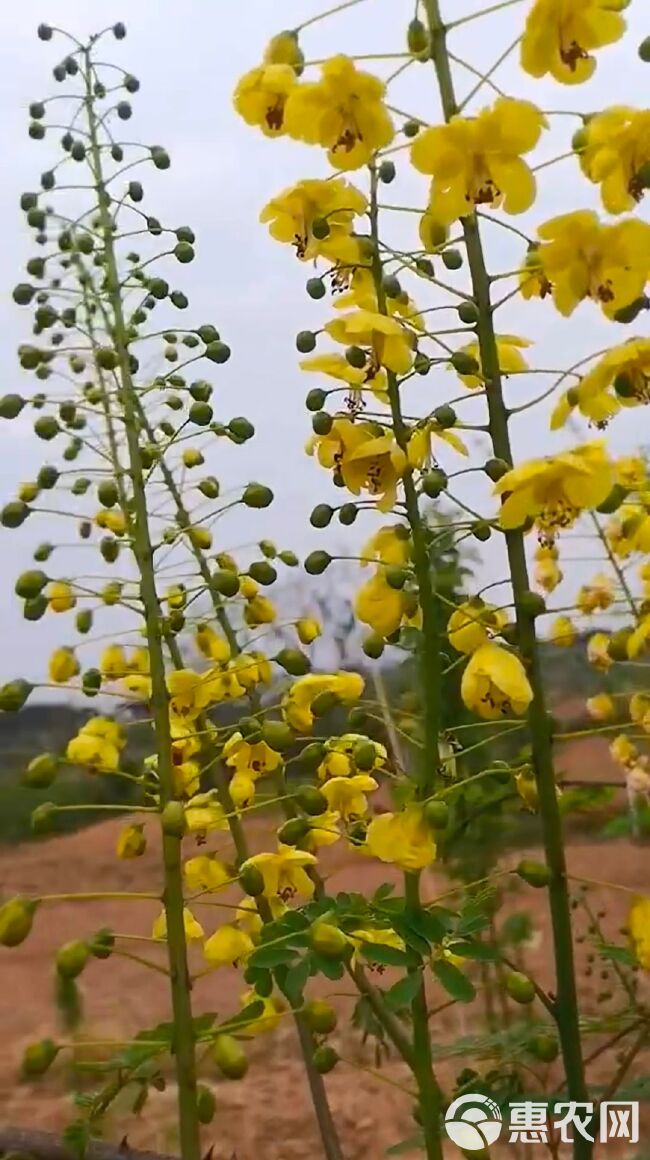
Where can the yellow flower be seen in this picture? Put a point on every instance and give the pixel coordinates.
(381, 607)
(560, 34)
(390, 545)
(248, 915)
(473, 624)
(598, 651)
(193, 928)
(242, 790)
(533, 282)
(113, 663)
(596, 596)
(270, 1017)
(640, 710)
(297, 702)
(582, 258)
(547, 573)
(337, 367)
(623, 751)
(638, 921)
(376, 936)
(259, 610)
(186, 772)
(388, 343)
(419, 450)
(227, 945)
(211, 644)
(511, 360)
(293, 212)
(601, 707)
(131, 842)
(376, 466)
(339, 758)
(261, 97)
(432, 233)
(250, 669)
(308, 630)
(343, 112)
(323, 831)
(188, 694)
(63, 666)
(477, 161)
(203, 813)
(60, 596)
(562, 632)
(283, 48)
(97, 745)
(495, 684)
(346, 796)
(555, 490)
(526, 787)
(631, 472)
(206, 872)
(403, 839)
(615, 150)
(137, 685)
(256, 759)
(284, 872)
(638, 640)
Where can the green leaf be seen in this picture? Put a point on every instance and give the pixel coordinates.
(332, 968)
(76, 1138)
(295, 980)
(383, 892)
(455, 983)
(248, 1014)
(617, 955)
(386, 956)
(271, 956)
(403, 992)
(430, 925)
(482, 951)
(413, 1144)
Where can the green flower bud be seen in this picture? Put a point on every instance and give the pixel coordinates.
(464, 364)
(386, 172)
(312, 754)
(16, 919)
(206, 1104)
(184, 253)
(110, 549)
(417, 37)
(173, 820)
(13, 695)
(278, 736)
(38, 1058)
(532, 604)
(322, 423)
(250, 728)
(644, 50)
(217, 352)
(316, 562)
(579, 140)
(373, 645)
(179, 300)
(208, 333)
(44, 32)
(268, 549)
(544, 1046)
(452, 259)
(251, 880)
(241, 428)
(160, 157)
(71, 958)
(225, 582)
(201, 414)
(319, 1016)
(613, 501)
(14, 514)
(481, 530)
(436, 813)
(91, 682)
(41, 771)
(391, 286)
(46, 427)
(314, 401)
(101, 943)
(618, 642)
(23, 293)
(257, 495)
(495, 469)
(316, 288)
(209, 487)
(520, 988)
(84, 620)
(42, 819)
(293, 661)
(107, 493)
(411, 128)
(158, 288)
(325, 1058)
(11, 406)
(305, 341)
(310, 799)
(35, 608)
(365, 755)
(534, 873)
(327, 940)
(229, 1057)
(43, 552)
(468, 312)
(30, 583)
(434, 482)
(445, 416)
(321, 515)
(320, 229)
(396, 576)
(289, 558)
(263, 572)
(293, 831)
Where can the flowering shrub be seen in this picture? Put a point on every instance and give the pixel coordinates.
(404, 358)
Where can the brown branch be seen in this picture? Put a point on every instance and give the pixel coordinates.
(47, 1146)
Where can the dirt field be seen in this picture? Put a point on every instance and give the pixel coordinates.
(268, 1115)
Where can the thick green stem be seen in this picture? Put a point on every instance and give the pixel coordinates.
(184, 1043)
(566, 1004)
(430, 1094)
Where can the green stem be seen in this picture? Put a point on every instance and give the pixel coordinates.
(184, 1049)
(430, 1094)
(566, 1004)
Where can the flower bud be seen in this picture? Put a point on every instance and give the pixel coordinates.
(417, 38)
(14, 514)
(520, 988)
(365, 755)
(321, 515)
(311, 755)
(41, 771)
(14, 695)
(434, 482)
(445, 416)
(278, 736)
(293, 661)
(173, 820)
(241, 428)
(534, 873)
(544, 1047)
(468, 313)
(293, 831)
(288, 558)
(38, 1058)
(71, 958)
(305, 341)
(206, 1104)
(251, 880)
(263, 572)
(316, 562)
(217, 352)
(319, 1016)
(373, 645)
(452, 259)
(310, 799)
(11, 406)
(16, 918)
(30, 583)
(229, 1057)
(348, 513)
(327, 940)
(101, 943)
(42, 819)
(225, 582)
(325, 1058)
(257, 495)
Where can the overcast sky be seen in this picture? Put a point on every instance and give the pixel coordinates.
(188, 59)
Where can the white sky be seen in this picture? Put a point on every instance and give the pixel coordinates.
(188, 60)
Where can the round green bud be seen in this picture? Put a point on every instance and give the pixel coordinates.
(292, 832)
(46, 427)
(160, 157)
(396, 576)
(36, 218)
(14, 514)
(495, 469)
(201, 414)
(373, 645)
(71, 958)
(124, 110)
(184, 252)
(84, 620)
(325, 1058)
(644, 50)
(452, 259)
(434, 482)
(135, 191)
(421, 363)
(544, 1046)
(417, 37)
(42, 818)
(642, 176)
(185, 234)
(624, 387)
(464, 364)
(201, 391)
(217, 352)
(356, 357)
(11, 406)
(579, 140)
(445, 416)
(206, 1104)
(16, 919)
(320, 229)
(107, 493)
(387, 172)
(44, 32)
(348, 514)
(436, 813)
(91, 682)
(23, 293)
(631, 312)
(80, 486)
(278, 736)
(241, 428)
(101, 943)
(312, 754)
(534, 873)
(209, 487)
(315, 399)
(365, 755)
(316, 288)
(520, 988)
(251, 729)
(391, 286)
(263, 572)
(468, 313)
(158, 288)
(38, 1058)
(289, 558)
(316, 562)
(85, 529)
(425, 266)
(43, 552)
(225, 582)
(322, 423)
(324, 703)
(293, 661)
(531, 604)
(41, 771)
(35, 608)
(30, 583)
(251, 880)
(327, 940)
(208, 333)
(172, 819)
(229, 1057)
(321, 515)
(78, 151)
(613, 501)
(181, 302)
(310, 799)
(257, 495)
(28, 201)
(119, 30)
(305, 341)
(411, 128)
(481, 531)
(319, 1016)
(106, 358)
(109, 548)
(36, 131)
(618, 642)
